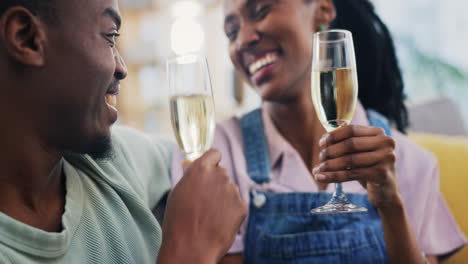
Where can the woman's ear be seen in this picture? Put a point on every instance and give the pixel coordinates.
(23, 36)
(325, 12)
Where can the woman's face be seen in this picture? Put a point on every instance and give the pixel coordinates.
(270, 43)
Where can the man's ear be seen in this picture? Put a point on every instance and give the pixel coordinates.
(23, 36)
(325, 13)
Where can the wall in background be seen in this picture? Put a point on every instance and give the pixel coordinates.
(147, 35)
(431, 38)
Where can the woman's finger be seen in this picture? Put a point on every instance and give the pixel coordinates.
(350, 131)
(375, 174)
(357, 160)
(356, 144)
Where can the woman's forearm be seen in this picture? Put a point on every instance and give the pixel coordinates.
(232, 259)
(180, 254)
(402, 246)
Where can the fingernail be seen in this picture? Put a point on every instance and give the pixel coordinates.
(185, 164)
(320, 177)
(322, 155)
(317, 169)
(323, 140)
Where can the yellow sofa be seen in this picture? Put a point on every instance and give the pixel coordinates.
(452, 153)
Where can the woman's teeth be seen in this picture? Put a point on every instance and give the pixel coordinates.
(268, 59)
(111, 100)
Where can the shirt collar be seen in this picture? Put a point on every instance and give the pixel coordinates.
(278, 145)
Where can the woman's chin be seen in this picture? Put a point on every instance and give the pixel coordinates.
(271, 92)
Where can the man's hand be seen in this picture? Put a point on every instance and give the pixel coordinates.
(203, 214)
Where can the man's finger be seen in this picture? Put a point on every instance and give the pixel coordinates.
(211, 158)
(185, 164)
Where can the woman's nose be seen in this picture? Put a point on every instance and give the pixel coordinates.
(248, 36)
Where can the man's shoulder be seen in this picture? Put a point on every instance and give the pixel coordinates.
(139, 162)
(131, 140)
(146, 156)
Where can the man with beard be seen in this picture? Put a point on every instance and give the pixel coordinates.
(72, 191)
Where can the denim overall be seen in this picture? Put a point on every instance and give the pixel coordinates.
(281, 228)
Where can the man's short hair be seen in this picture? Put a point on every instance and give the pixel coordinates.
(42, 8)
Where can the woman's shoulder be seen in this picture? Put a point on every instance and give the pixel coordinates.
(411, 151)
(227, 140)
(231, 124)
(415, 165)
(228, 131)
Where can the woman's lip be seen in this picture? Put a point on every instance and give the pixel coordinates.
(264, 74)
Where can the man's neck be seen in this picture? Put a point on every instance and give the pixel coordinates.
(33, 184)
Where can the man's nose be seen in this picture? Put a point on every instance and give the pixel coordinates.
(121, 70)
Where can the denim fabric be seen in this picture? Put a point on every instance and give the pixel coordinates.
(284, 231)
(255, 146)
(281, 228)
(378, 120)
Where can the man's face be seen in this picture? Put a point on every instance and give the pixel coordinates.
(82, 70)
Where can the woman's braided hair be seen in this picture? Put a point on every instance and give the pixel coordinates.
(380, 80)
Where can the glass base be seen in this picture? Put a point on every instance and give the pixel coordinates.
(338, 206)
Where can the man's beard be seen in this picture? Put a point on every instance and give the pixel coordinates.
(101, 149)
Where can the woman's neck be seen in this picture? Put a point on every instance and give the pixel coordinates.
(297, 122)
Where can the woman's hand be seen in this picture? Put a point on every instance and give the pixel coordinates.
(364, 154)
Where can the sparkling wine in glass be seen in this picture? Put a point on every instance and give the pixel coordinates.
(334, 95)
(191, 104)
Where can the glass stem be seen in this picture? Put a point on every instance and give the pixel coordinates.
(339, 194)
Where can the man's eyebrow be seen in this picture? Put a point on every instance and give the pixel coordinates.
(114, 15)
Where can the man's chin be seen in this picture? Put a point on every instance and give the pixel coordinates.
(101, 149)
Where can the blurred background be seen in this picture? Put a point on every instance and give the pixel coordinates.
(429, 35)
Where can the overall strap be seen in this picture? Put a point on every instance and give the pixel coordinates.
(256, 147)
(376, 119)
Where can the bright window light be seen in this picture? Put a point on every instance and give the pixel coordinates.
(186, 9)
(187, 36)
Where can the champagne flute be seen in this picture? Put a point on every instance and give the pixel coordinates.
(192, 104)
(334, 95)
